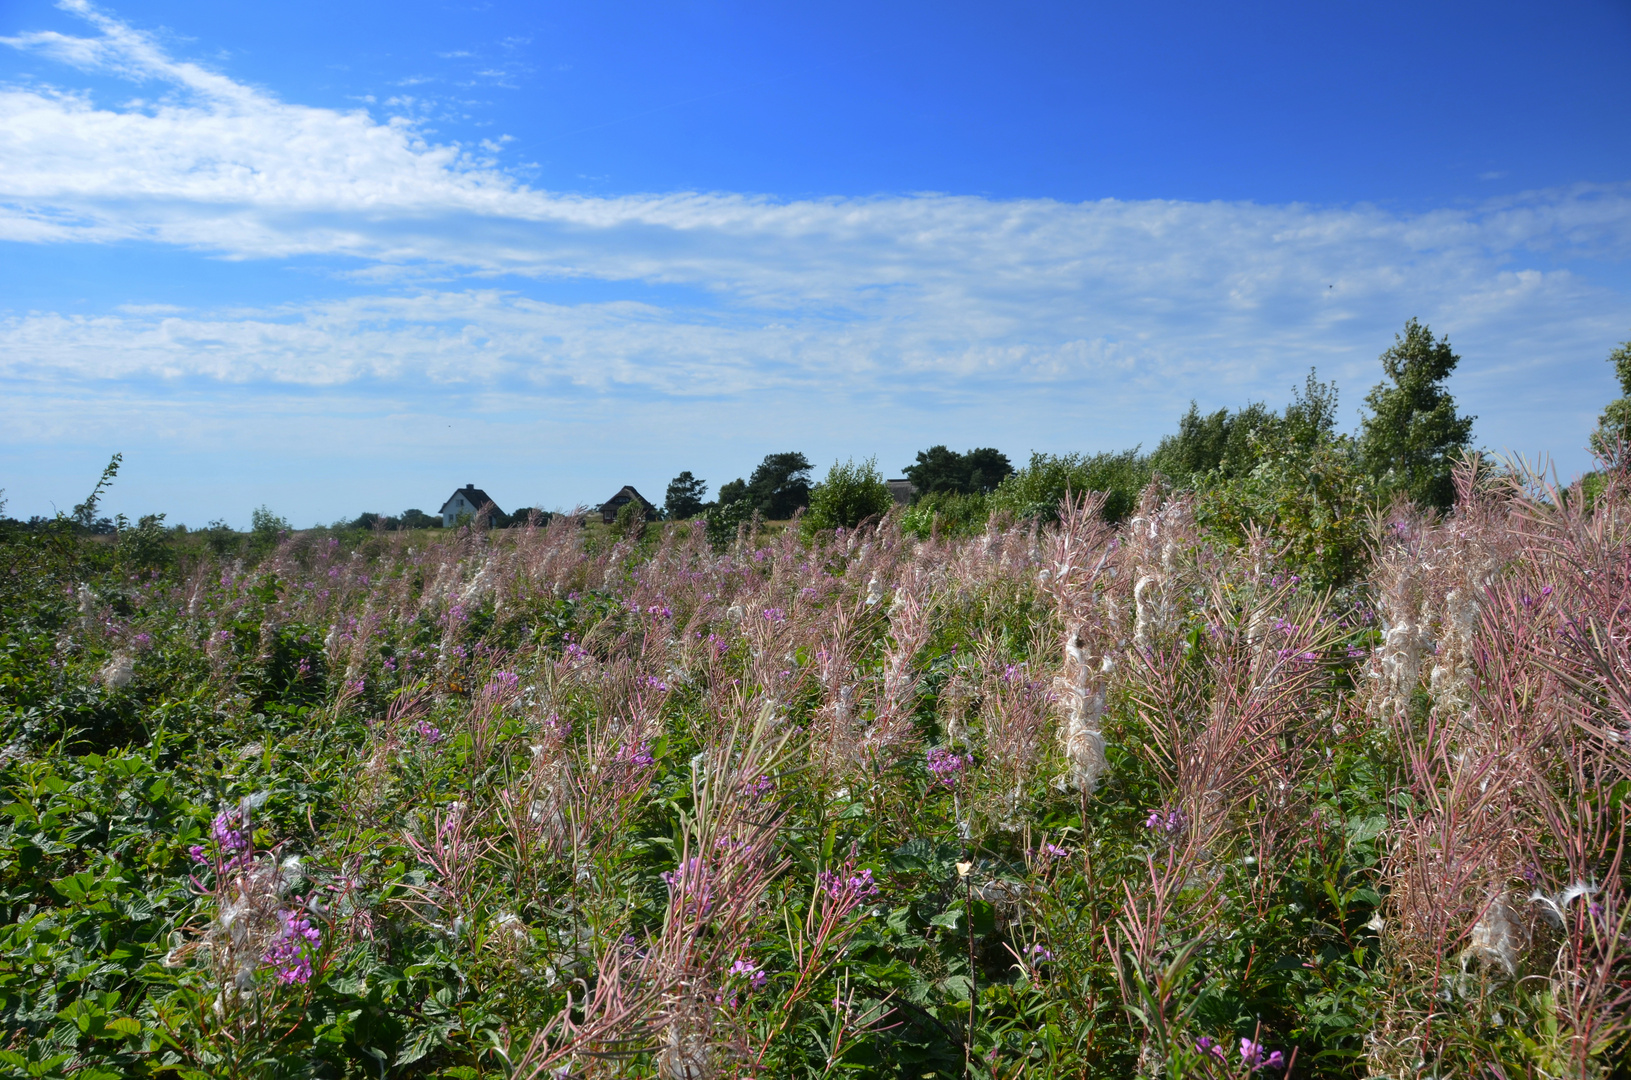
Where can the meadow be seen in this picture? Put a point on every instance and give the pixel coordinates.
(1067, 798)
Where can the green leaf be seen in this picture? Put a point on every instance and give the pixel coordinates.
(125, 1026)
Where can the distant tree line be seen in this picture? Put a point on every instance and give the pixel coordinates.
(1251, 467)
(1289, 470)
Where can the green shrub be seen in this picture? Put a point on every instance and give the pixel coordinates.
(725, 520)
(630, 521)
(849, 495)
(947, 514)
(1036, 490)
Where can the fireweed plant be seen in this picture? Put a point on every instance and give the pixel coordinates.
(1054, 801)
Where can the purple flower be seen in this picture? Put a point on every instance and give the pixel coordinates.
(1039, 955)
(856, 886)
(1054, 850)
(1205, 1045)
(690, 881)
(638, 756)
(228, 832)
(429, 732)
(198, 854)
(946, 765)
(1169, 822)
(775, 615)
(290, 953)
(754, 974)
(1254, 1057)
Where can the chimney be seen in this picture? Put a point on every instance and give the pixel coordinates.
(469, 487)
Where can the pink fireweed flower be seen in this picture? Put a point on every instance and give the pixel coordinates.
(689, 884)
(429, 732)
(290, 953)
(853, 887)
(947, 766)
(1039, 954)
(775, 615)
(752, 972)
(1169, 823)
(1206, 1045)
(638, 756)
(1254, 1057)
(228, 832)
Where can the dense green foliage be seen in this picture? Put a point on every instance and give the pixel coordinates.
(849, 495)
(940, 471)
(1036, 490)
(779, 486)
(1613, 432)
(1217, 445)
(389, 808)
(684, 498)
(1412, 438)
(947, 514)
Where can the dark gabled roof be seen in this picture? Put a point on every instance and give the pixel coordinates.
(625, 494)
(474, 496)
(901, 490)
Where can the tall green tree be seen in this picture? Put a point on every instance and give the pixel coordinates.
(1410, 439)
(943, 471)
(779, 486)
(1219, 442)
(1613, 435)
(684, 497)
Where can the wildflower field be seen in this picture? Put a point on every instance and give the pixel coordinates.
(1044, 800)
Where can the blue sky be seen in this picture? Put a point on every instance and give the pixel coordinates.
(342, 257)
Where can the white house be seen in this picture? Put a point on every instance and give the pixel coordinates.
(466, 500)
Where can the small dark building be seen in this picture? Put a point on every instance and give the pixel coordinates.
(466, 500)
(626, 495)
(901, 491)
